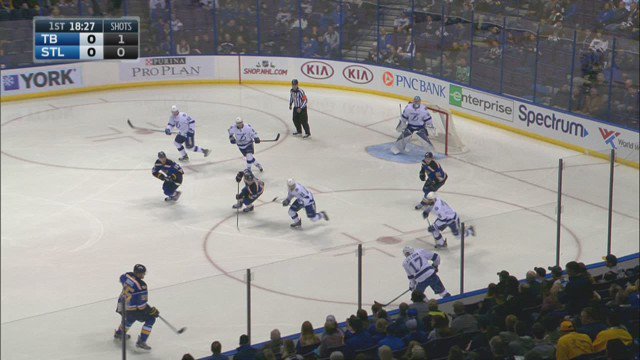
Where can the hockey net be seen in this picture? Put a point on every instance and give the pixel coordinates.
(444, 136)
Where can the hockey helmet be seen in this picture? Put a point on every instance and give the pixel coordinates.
(431, 196)
(407, 250)
(139, 269)
(294, 82)
(291, 183)
(174, 109)
(162, 155)
(416, 101)
(428, 155)
(248, 175)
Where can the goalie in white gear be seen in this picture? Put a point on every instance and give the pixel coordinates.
(244, 136)
(415, 119)
(186, 127)
(446, 217)
(421, 267)
(303, 198)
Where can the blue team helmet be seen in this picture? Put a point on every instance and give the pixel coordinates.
(428, 155)
(162, 155)
(139, 269)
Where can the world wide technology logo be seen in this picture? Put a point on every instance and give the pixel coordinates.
(609, 137)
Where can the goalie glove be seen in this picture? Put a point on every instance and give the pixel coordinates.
(286, 202)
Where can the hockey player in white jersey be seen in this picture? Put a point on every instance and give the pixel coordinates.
(303, 198)
(421, 267)
(244, 136)
(415, 119)
(186, 127)
(445, 217)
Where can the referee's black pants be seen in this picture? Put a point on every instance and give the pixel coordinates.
(301, 120)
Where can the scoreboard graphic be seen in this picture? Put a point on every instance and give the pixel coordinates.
(58, 39)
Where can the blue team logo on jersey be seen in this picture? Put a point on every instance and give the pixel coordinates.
(10, 82)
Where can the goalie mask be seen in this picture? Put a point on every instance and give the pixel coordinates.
(416, 102)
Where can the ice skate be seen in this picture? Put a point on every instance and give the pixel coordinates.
(470, 231)
(419, 206)
(443, 245)
(184, 158)
(324, 215)
(237, 205)
(206, 152)
(248, 209)
(259, 167)
(306, 136)
(117, 335)
(142, 345)
(297, 224)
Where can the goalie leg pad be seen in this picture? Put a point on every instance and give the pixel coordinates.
(402, 141)
(424, 136)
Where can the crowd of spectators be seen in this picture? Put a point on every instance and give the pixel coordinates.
(562, 315)
(467, 41)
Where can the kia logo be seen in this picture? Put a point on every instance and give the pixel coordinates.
(318, 70)
(357, 74)
(387, 78)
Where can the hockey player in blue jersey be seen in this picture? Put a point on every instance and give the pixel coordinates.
(253, 188)
(433, 176)
(133, 301)
(169, 172)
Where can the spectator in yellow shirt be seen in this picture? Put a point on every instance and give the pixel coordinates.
(615, 331)
(572, 344)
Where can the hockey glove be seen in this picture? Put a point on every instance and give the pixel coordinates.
(152, 311)
(161, 176)
(422, 177)
(239, 176)
(167, 131)
(232, 139)
(286, 202)
(256, 140)
(412, 285)
(431, 228)
(239, 196)
(425, 214)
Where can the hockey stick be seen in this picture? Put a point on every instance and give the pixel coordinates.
(142, 128)
(396, 298)
(273, 140)
(177, 331)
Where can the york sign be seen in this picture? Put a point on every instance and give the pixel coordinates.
(318, 70)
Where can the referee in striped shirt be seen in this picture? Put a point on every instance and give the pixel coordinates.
(298, 101)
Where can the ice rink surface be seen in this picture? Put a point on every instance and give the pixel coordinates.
(80, 207)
